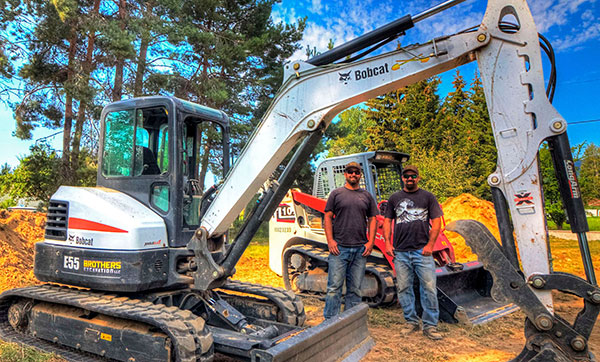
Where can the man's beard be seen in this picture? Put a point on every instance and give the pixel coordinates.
(353, 181)
(411, 186)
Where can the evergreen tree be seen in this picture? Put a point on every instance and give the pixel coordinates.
(552, 200)
(83, 54)
(479, 144)
(589, 174)
(10, 10)
(398, 120)
(349, 134)
(449, 129)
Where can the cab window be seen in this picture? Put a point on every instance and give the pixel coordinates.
(136, 142)
(202, 164)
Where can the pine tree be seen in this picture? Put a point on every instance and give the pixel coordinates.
(479, 145)
(589, 174)
(449, 128)
(400, 118)
(349, 134)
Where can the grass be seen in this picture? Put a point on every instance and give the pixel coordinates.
(593, 222)
(12, 352)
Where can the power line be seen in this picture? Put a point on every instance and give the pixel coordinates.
(588, 121)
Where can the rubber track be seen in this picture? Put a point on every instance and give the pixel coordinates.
(287, 301)
(383, 273)
(191, 340)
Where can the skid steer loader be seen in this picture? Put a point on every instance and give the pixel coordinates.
(298, 247)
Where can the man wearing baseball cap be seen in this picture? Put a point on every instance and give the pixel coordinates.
(348, 211)
(417, 216)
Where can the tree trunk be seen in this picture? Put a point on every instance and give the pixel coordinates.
(118, 85)
(141, 65)
(87, 67)
(69, 99)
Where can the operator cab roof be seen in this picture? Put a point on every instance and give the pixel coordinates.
(188, 107)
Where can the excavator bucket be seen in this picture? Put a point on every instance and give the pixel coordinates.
(464, 288)
(464, 294)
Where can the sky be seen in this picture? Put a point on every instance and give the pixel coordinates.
(572, 27)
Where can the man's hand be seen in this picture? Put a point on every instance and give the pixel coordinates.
(368, 249)
(428, 250)
(389, 249)
(333, 247)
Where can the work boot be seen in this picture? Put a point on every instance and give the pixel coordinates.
(432, 333)
(409, 328)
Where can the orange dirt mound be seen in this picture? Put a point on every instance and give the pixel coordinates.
(19, 231)
(467, 206)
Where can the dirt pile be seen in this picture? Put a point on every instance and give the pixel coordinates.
(463, 207)
(19, 231)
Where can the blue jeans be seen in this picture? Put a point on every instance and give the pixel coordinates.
(348, 266)
(408, 264)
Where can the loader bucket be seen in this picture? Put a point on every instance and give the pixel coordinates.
(464, 294)
(344, 337)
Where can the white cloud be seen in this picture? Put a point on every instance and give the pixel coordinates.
(573, 40)
(316, 6)
(550, 13)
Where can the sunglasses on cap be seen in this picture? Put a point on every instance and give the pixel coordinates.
(353, 172)
(413, 176)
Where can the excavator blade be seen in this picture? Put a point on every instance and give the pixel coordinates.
(344, 337)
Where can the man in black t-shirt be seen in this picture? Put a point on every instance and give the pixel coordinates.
(417, 216)
(353, 208)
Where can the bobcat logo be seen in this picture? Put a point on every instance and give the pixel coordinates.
(345, 77)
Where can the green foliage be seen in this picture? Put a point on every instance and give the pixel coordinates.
(555, 212)
(39, 175)
(552, 199)
(349, 135)
(589, 175)
(77, 56)
(443, 172)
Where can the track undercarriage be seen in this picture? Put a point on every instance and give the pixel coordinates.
(241, 320)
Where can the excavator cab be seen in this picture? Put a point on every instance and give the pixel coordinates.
(166, 153)
(158, 156)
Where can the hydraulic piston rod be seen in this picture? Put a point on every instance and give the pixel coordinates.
(391, 30)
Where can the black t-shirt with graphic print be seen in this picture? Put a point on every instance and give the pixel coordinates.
(351, 208)
(412, 211)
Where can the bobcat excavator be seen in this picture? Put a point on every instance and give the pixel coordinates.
(298, 247)
(138, 267)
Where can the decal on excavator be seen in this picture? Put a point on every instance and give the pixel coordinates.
(371, 72)
(80, 240)
(523, 198)
(572, 177)
(345, 77)
(102, 267)
(285, 213)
